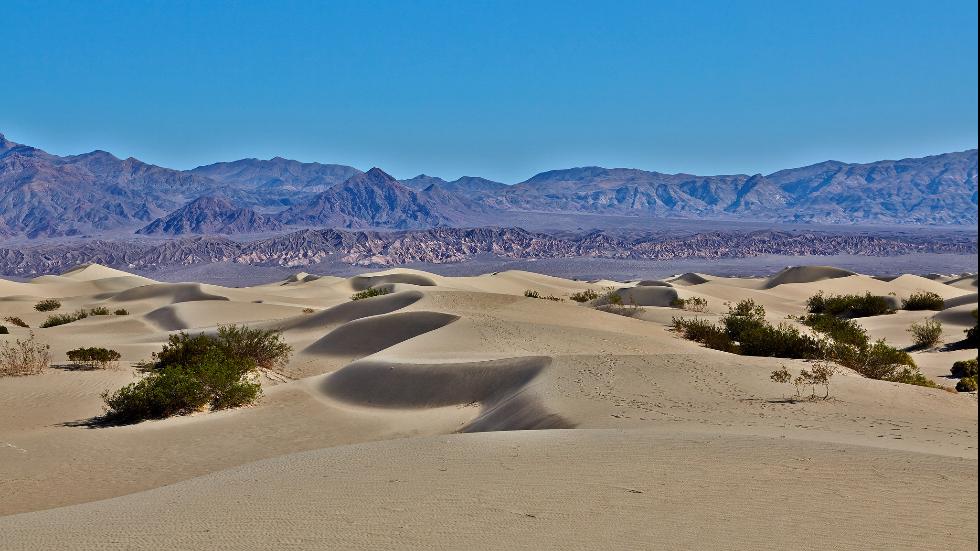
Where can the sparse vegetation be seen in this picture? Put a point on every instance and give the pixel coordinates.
(693, 304)
(47, 305)
(706, 333)
(923, 300)
(967, 384)
(99, 311)
(584, 296)
(14, 320)
(4, 330)
(819, 374)
(964, 368)
(121, 312)
(971, 333)
(613, 303)
(838, 329)
(848, 306)
(196, 372)
(55, 320)
(307, 310)
(368, 293)
(94, 357)
(927, 334)
(24, 357)
(534, 294)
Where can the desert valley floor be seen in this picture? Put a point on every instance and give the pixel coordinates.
(454, 412)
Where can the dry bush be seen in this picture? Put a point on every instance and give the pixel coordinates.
(23, 357)
(307, 310)
(14, 320)
(47, 305)
(927, 334)
(693, 304)
(584, 296)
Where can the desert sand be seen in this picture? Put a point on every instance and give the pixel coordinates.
(454, 412)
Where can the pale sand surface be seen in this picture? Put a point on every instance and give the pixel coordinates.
(455, 412)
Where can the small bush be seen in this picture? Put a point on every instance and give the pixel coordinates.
(4, 330)
(923, 300)
(927, 334)
(96, 357)
(584, 296)
(530, 293)
(14, 320)
(368, 293)
(307, 310)
(216, 381)
(24, 357)
(99, 311)
(706, 333)
(848, 306)
(534, 294)
(693, 304)
(971, 333)
(61, 319)
(964, 368)
(121, 312)
(263, 347)
(967, 384)
(840, 330)
(47, 305)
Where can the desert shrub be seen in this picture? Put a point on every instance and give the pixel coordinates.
(927, 334)
(215, 380)
(923, 300)
(121, 312)
(706, 333)
(693, 304)
(971, 333)
(848, 306)
(307, 310)
(23, 357)
(530, 293)
(964, 368)
(368, 293)
(47, 305)
(584, 296)
(819, 374)
(613, 303)
(4, 330)
(782, 341)
(840, 330)
(55, 320)
(967, 384)
(264, 347)
(14, 320)
(96, 357)
(99, 311)
(534, 294)
(879, 361)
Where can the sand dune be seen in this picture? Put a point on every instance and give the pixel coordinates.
(596, 430)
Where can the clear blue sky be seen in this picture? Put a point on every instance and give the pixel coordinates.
(497, 89)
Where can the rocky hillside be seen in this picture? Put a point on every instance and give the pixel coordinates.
(45, 195)
(211, 215)
(448, 245)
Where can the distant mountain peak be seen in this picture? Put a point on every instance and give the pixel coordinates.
(211, 214)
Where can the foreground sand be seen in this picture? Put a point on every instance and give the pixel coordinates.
(455, 412)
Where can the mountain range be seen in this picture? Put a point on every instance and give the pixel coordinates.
(46, 195)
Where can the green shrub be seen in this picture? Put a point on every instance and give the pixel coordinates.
(840, 330)
(23, 357)
(693, 304)
(879, 361)
(923, 300)
(121, 312)
(264, 347)
(14, 320)
(782, 341)
(706, 333)
(96, 357)
(47, 305)
(368, 293)
(584, 296)
(848, 306)
(927, 334)
(194, 372)
(55, 320)
(99, 311)
(967, 384)
(964, 368)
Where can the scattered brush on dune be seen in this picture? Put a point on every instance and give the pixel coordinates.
(693, 304)
(95, 357)
(14, 320)
(61, 319)
(614, 303)
(24, 357)
(47, 305)
(849, 306)
(530, 293)
(368, 293)
(923, 300)
(584, 296)
(196, 372)
(744, 330)
(927, 334)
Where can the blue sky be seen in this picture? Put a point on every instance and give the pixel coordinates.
(496, 89)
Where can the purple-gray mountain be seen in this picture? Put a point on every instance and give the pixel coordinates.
(45, 195)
